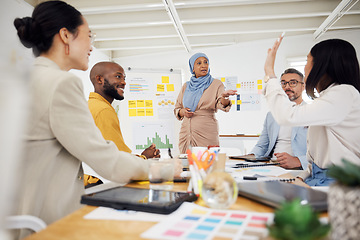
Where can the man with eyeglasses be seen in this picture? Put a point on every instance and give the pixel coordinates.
(286, 144)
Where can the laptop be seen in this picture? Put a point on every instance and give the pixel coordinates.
(274, 193)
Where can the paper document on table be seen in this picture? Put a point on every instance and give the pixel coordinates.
(89, 171)
(105, 213)
(268, 171)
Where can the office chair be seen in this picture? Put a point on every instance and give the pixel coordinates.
(24, 221)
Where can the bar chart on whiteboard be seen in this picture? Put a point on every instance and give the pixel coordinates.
(159, 132)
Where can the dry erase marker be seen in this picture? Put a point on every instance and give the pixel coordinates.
(193, 178)
(190, 188)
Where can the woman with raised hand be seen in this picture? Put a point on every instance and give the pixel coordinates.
(332, 69)
(61, 131)
(198, 101)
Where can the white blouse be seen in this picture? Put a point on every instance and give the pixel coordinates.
(333, 120)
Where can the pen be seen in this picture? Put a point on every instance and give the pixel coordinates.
(169, 152)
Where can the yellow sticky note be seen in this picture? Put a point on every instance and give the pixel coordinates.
(149, 112)
(140, 112)
(132, 112)
(259, 86)
(165, 79)
(238, 102)
(259, 81)
(170, 87)
(233, 102)
(160, 87)
(148, 103)
(222, 79)
(140, 103)
(132, 104)
(238, 85)
(199, 211)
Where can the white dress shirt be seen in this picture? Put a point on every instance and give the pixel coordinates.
(333, 120)
(283, 142)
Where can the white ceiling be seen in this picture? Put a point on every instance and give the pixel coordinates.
(135, 27)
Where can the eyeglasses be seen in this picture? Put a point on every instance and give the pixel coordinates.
(92, 37)
(292, 83)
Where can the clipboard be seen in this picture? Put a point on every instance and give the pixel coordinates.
(138, 199)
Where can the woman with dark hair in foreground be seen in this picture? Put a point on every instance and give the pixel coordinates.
(61, 131)
(333, 118)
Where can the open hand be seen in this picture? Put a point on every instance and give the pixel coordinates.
(271, 55)
(228, 93)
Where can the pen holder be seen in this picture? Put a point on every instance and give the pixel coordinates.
(219, 188)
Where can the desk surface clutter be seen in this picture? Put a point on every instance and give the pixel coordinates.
(246, 219)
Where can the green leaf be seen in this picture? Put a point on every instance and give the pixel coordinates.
(347, 174)
(293, 221)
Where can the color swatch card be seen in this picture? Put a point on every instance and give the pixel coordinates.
(194, 222)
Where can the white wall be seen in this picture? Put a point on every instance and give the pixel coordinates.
(245, 60)
(95, 57)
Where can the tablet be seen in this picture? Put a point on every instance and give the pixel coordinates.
(274, 193)
(251, 159)
(146, 200)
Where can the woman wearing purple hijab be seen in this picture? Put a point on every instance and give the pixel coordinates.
(197, 103)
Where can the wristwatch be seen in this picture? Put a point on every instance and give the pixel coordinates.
(267, 78)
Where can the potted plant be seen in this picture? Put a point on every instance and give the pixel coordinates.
(293, 221)
(344, 201)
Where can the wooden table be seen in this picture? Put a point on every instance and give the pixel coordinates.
(74, 226)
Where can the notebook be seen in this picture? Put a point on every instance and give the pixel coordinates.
(274, 193)
(251, 159)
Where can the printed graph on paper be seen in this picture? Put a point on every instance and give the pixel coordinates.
(160, 133)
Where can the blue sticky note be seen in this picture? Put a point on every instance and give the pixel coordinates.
(205, 228)
(191, 218)
(212, 220)
(196, 236)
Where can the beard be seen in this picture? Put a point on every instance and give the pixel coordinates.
(111, 90)
(294, 96)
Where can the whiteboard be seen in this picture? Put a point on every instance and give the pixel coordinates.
(248, 110)
(147, 113)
